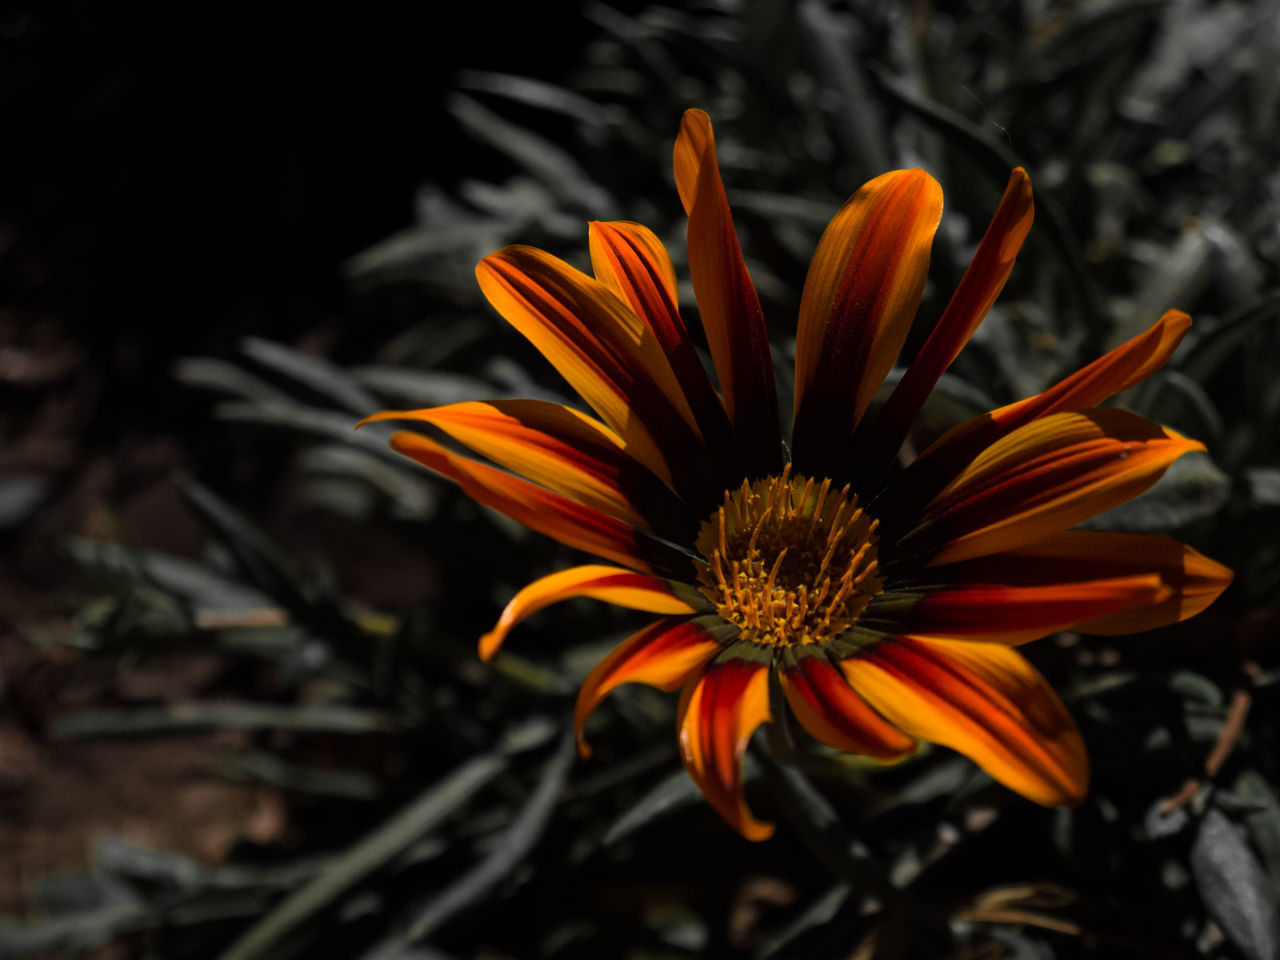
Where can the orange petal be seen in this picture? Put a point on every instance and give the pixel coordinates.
(718, 713)
(633, 263)
(600, 347)
(727, 301)
(563, 450)
(622, 588)
(1043, 478)
(664, 654)
(539, 509)
(1128, 364)
(983, 700)
(978, 289)
(630, 260)
(861, 294)
(834, 714)
(1192, 581)
(999, 613)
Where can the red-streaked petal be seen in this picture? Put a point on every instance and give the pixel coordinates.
(1043, 478)
(727, 299)
(834, 714)
(665, 654)
(978, 290)
(601, 348)
(983, 700)
(860, 296)
(998, 613)
(1126, 365)
(539, 509)
(1193, 581)
(562, 450)
(622, 588)
(632, 262)
(1131, 362)
(718, 713)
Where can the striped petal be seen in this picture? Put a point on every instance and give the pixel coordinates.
(829, 709)
(1192, 581)
(632, 262)
(622, 588)
(603, 350)
(563, 450)
(538, 509)
(719, 711)
(1043, 478)
(978, 290)
(665, 654)
(727, 300)
(860, 296)
(1126, 365)
(1011, 614)
(983, 700)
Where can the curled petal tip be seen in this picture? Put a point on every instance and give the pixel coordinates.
(490, 644)
(382, 415)
(1178, 319)
(755, 830)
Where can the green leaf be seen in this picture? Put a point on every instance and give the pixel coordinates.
(670, 793)
(313, 372)
(267, 768)
(1234, 887)
(1217, 346)
(820, 829)
(257, 557)
(536, 93)
(509, 851)
(855, 116)
(1264, 485)
(187, 717)
(309, 420)
(170, 870)
(367, 856)
(209, 373)
(549, 163)
(814, 917)
(423, 388)
(199, 585)
(1264, 823)
(75, 932)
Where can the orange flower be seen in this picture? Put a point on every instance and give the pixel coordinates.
(888, 611)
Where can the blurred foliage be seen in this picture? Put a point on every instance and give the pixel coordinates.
(458, 823)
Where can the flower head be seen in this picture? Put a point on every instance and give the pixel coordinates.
(886, 601)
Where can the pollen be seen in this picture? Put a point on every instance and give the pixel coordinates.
(789, 560)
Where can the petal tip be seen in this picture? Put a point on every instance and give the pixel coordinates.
(755, 830)
(490, 644)
(1178, 320)
(1073, 794)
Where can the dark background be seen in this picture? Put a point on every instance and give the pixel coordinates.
(177, 179)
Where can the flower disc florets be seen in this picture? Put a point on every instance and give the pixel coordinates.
(789, 560)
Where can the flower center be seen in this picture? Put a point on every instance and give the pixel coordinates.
(789, 560)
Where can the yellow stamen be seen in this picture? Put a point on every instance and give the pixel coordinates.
(790, 561)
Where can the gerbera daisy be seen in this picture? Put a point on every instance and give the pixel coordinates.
(887, 600)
